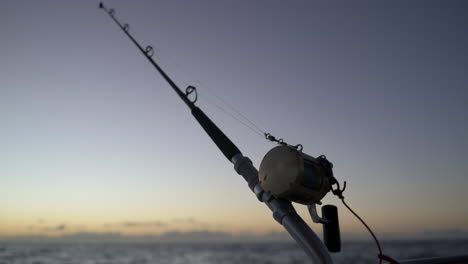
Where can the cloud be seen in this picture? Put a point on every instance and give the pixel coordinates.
(94, 236)
(80, 227)
(184, 220)
(143, 224)
(57, 228)
(135, 224)
(191, 221)
(193, 236)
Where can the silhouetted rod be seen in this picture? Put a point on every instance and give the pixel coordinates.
(220, 139)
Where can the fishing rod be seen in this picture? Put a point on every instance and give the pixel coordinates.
(286, 174)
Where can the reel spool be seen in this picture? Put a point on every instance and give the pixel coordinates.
(293, 175)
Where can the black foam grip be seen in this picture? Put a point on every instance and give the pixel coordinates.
(220, 139)
(331, 230)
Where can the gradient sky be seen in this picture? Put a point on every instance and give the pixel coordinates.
(92, 139)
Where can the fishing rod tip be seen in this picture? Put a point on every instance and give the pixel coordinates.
(101, 5)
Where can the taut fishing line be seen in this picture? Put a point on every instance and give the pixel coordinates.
(224, 106)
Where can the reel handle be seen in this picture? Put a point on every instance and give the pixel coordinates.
(331, 228)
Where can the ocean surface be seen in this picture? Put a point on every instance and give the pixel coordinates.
(221, 253)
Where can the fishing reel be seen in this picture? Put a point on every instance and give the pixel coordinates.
(288, 173)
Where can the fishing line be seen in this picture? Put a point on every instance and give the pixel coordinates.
(234, 112)
(241, 118)
(339, 193)
(238, 112)
(235, 118)
(247, 123)
(149, 52)
(253, 127)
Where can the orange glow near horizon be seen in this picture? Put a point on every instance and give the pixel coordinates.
(254, 220)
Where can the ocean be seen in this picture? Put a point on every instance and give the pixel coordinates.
(219, 253)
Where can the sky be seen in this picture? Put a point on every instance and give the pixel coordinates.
(93, 140)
